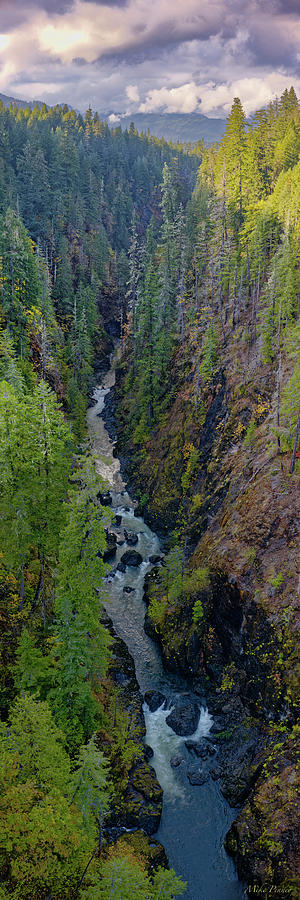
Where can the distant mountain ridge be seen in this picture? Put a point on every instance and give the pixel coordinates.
(22, 104)
(185, 127)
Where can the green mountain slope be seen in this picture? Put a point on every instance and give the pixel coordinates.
(183, 127)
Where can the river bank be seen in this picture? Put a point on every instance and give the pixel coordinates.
(195, 816)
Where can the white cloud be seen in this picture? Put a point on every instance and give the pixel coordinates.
(178, 56)
(254, 92)
(113, 119)
(184, 99)
(132, 92)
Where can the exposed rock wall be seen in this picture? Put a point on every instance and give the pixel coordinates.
(238, 513)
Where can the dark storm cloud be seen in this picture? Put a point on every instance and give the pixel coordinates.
(286, 7)
(13, 8)
(14, 12)
(167, 53)
(274, 51)
(271, 43)
(148, 44)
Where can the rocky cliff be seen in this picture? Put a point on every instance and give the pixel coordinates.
(214, 476)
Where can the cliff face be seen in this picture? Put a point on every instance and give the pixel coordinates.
(212, 471)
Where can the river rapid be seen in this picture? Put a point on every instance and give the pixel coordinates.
(195, 819)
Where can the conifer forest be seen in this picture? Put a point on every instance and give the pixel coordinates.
(150, 462)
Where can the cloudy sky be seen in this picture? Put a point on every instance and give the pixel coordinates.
(150, 55)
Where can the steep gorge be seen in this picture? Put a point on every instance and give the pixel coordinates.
(207, 418)
(240, 521)
(201, 287)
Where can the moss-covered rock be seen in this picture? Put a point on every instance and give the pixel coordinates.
(144, 780)
(264, 838)
(137, 793)
(235, 512)
(150, 851)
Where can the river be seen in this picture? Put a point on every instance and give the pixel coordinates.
(195, 819)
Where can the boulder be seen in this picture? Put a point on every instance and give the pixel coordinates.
(111, 535)
(143, 800)
(184, 717)
(131, 558)
(240, 769)
(216, 772)
(196, 775)
(121, 567)
(127, 589)
(118, 521)
(147, 848)
(104, 498)
(154, 700)
(176, 761)
(201, 749)
(154, 559)
(111, 548)
(138, 511)
(121, 678)
(144, 780)
(131, 537)
(149, 753)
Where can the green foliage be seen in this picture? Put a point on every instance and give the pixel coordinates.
(123, 877)
(92, 788)
(185, 585)
(32, 746)
(81, 641)
(228, 678)
(175, 584)
(198, 612)
(74, 184)
(191, 456)
(35, 462)
(209, 354)
(32, 671)
(197, 503)
(42, 844)
(207, 271)
(277, 580)
(158, 607)
(249, 438)
(289, 409)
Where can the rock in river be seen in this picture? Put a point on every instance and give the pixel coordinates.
(118, 521)
(196, 775)
(176, 761)
(184, 717)
(111, 546)
(105, 498)
(131, 558)
(202, 749)
(131, 537)
(143, 800)
(154, 700)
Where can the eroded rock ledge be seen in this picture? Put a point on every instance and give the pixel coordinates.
(139, 804)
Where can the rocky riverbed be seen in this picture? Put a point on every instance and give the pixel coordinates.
(195, 817)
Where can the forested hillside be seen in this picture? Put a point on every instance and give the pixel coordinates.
(208, 394)
(189, 128)
(69, 189)
(195, 269)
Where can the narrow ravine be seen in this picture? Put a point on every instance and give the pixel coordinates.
(195, 818)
